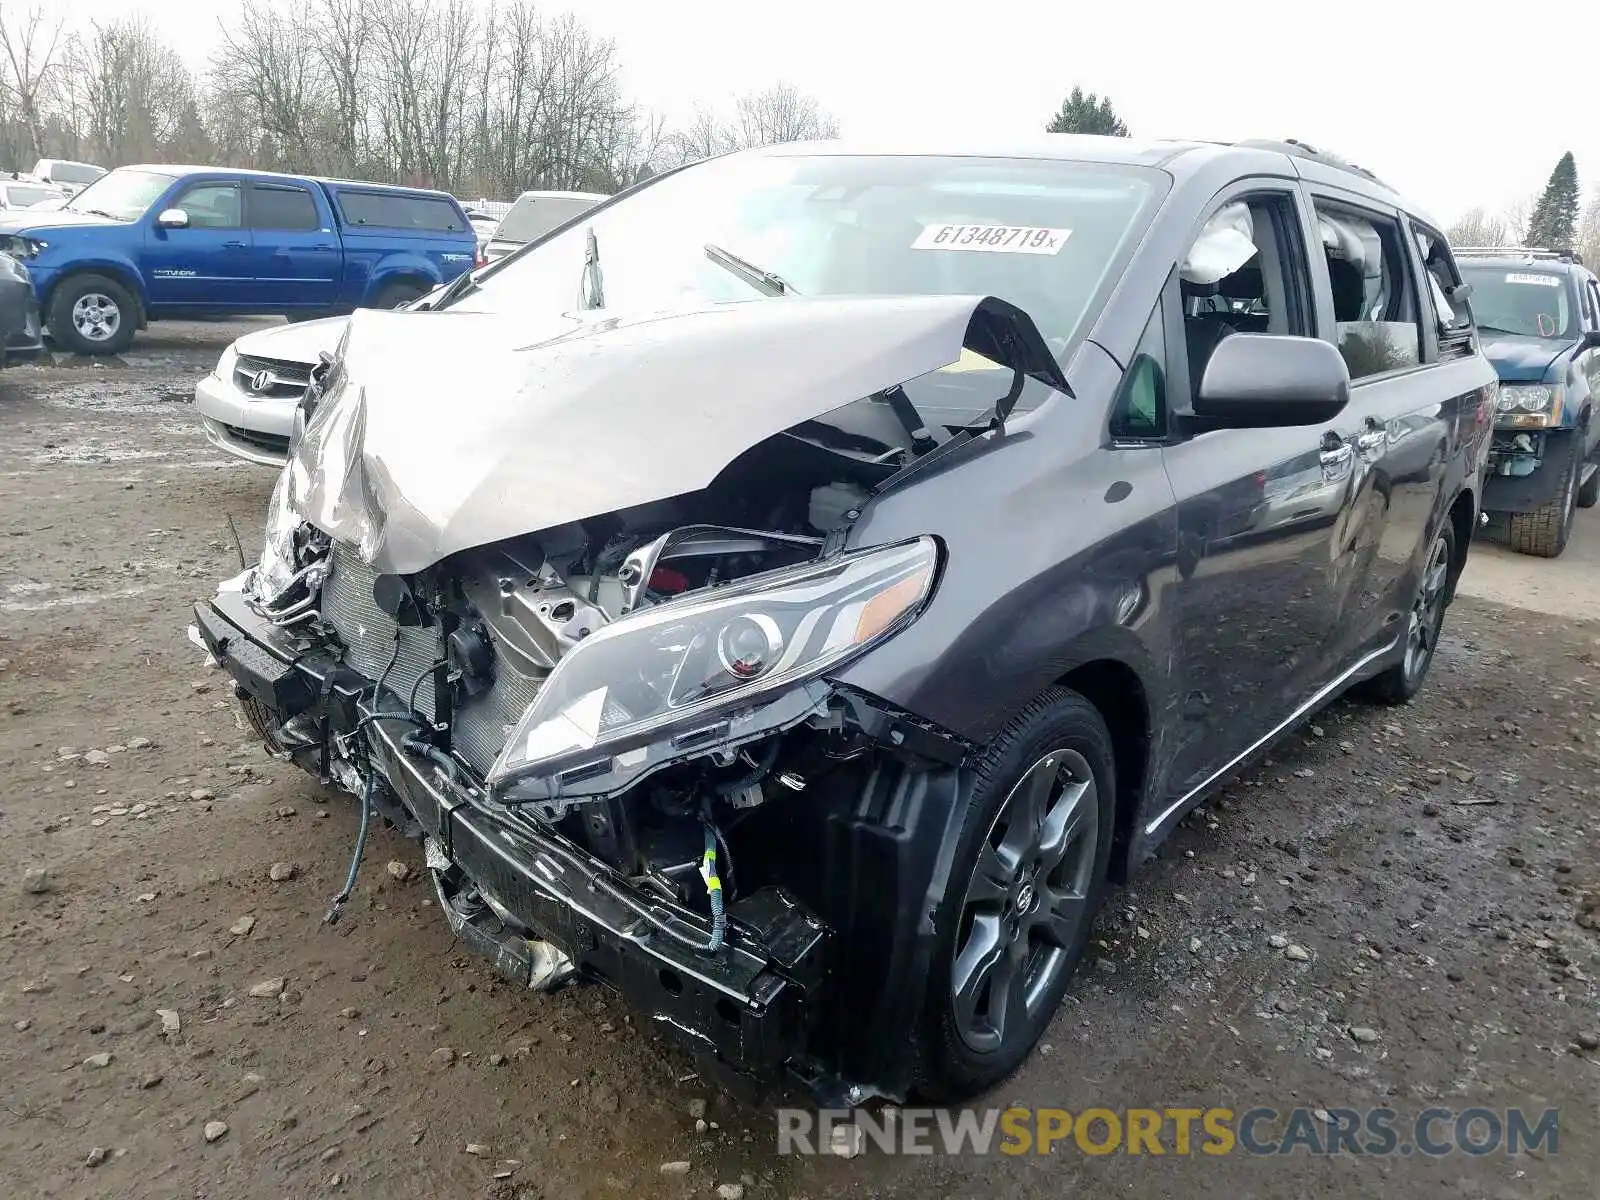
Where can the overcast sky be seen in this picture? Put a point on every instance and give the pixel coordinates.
(1418, 94)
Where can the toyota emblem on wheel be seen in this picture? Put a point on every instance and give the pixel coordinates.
(261, 381)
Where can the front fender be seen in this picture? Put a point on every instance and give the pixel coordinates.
(50, 269)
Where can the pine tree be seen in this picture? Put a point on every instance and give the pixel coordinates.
(1554, 223)
(1080, 113)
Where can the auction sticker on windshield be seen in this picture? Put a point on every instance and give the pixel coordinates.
(992, 239)
(1540, 280)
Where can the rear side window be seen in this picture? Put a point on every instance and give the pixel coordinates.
(1374, 303)
(386, 210)
(273, 207)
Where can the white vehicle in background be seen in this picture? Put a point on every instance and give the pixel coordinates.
(534, 215)
(25, 193)
(69, 176)
(247, 403)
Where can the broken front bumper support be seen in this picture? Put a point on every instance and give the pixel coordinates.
(536, 905)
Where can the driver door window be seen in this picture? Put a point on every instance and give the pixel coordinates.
(212, 206)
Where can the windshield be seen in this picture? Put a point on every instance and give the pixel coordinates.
(65, 172)
(1041, 234)
(534, 216)
(1520, 300)
(122, 195)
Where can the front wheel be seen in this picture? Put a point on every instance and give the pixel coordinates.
(1028, 875)
(1424, 623)
(90, 314)
(1544, 531)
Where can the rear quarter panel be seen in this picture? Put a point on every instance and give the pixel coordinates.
(375, 256)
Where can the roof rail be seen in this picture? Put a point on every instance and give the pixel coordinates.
(1298, 149)
(1523, 252)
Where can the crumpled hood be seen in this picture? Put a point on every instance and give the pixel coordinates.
(1519, 359)
(443, 431)
(300, 342)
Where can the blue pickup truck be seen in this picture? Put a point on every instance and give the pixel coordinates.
(151, 243)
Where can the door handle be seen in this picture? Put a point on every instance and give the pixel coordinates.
(1336, 457)
(1372, 442)
(233, 245)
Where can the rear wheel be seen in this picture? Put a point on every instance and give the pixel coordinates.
(393, 295)
(1028, 876)
(1544, 531)
(90, 314)
(1424, 623)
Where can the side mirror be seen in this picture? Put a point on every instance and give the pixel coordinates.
(1591, 339)
(1262, 380)
(173, 218)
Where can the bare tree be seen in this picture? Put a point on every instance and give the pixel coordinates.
(1478, 228)
(137, 98)
(782, 113)
(269, 75)
(31, 64)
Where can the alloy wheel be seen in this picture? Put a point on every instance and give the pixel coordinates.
(1026, 901)
(96, 317)
(1427, 612)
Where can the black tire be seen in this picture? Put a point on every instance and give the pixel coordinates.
(91, 314)
(964, 1051)
(1543, 532)
(393, 295)
(1424, 621)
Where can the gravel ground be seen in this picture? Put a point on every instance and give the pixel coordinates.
(175, 1021)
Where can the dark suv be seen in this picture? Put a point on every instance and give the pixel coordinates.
(833, 566)
(1539, 314)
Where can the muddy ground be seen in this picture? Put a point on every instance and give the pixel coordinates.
(1431, 861)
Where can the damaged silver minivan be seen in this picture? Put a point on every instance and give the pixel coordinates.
(782, 594)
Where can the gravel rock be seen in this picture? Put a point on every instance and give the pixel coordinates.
(677, 1167)
(1278, 941)
(151, 1081)
(215, 1131)
(1296, 953)
(697, 1108)
(1589, 1039)
(242, 926)
(444, 1056)
(97, 1155)
(398, 871)
(36, 881)
(98, 1061)
(170, 1024)
(139, 743)
(97, 758)
(730, 1191)
(202, 794)
(477, 1149)
(268, 989)
(282, 872)
(1363, 1034)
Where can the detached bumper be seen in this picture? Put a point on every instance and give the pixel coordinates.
(508, 884)
(254, 430)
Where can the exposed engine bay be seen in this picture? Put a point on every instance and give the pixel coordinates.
(616, 733)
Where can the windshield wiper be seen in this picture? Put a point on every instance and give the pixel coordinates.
(767, 281)
(1482, 328)
(99, 212)
(593, 281)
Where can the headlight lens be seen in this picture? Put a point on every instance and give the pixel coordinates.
(1529, 398)
(680, 661)
(225, 364)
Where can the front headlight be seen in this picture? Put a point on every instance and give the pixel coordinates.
(225, 364)
(1534, 404)
(679, 662)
